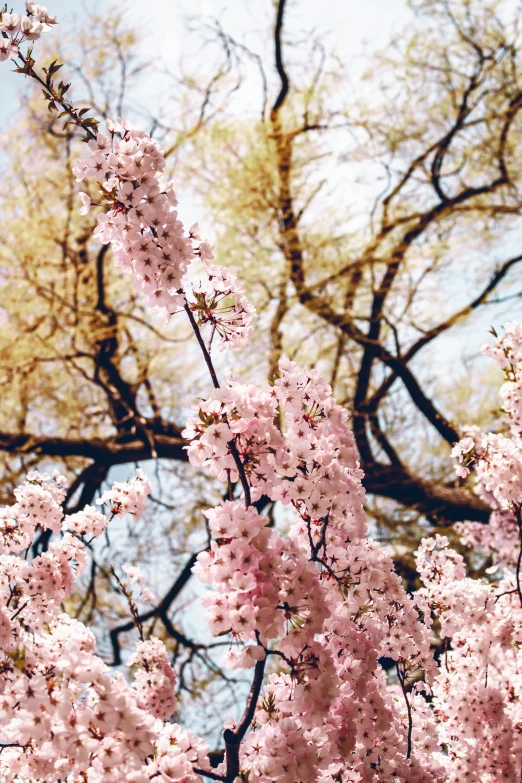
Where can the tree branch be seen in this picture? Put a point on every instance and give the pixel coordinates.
(285, 82)
(159, 611)
(233, 738)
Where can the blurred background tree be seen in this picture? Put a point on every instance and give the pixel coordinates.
(374, 223)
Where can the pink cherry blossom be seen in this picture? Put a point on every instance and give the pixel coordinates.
(311, 604)
(149, 240)
(127, 497)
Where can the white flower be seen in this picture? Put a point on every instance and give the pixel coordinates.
(10, 23)
(7, 49)
(86, 203)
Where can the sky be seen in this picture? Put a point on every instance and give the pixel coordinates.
(350, 26)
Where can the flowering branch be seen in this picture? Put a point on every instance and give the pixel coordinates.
(55, 96)
(321, 597)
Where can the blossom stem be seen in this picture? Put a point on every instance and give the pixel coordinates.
(207, 774)
(518, 517)
(202, 345)
(400, 675)
(232, 444)
(65, 105)
(233, 738)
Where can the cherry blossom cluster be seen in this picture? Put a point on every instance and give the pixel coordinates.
(63, 715)
(127, 497)
(322, 601)
(39, 498)
(477, 693)
(499, 539)
(155, 679)
(16, 29)
(507, 353)
(496, 452)
(137, 576)
(219, 301)
(148, 238)
(298, 468)
(496, 459)
(266, 585)
(308, 600)
(476, 696)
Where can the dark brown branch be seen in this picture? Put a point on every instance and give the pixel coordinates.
(382, 440)
(87, 124)
(464, 110)
(158, 611)
(113, 451)
(207, 774)
(394, 481)
(90, 480)
(100, 284)
(285, 82)
(518, 517)
(233, 738)
(201, 342)
(374, 350)
(437, 501)
(433, 333)
(401, 677)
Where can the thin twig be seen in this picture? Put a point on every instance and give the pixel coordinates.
(401, 677)
(205, 773)
(518, 517)
(202, 345)
(232, 444)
